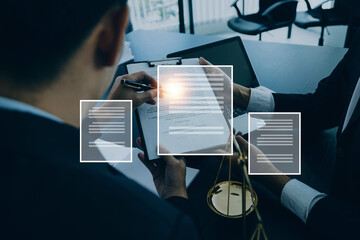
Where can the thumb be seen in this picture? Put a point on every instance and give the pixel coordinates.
(203, 61)
(168, 159)
(243, 144)
(147, 95)
(241, 141)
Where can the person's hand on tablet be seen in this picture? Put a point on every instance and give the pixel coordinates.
(169, 178)
(119, 91)
(241, 93)
(275, 181)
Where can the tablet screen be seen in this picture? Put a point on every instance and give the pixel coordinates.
(226, 52)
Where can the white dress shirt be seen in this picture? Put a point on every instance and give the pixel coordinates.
(296, 196)
(14, 105)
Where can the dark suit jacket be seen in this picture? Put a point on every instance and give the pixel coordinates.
(45, 193)
(338, 214)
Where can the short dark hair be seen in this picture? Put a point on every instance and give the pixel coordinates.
(38, 37)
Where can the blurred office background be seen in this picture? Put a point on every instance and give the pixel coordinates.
(210, 17)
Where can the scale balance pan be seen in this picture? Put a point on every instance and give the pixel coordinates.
(217, 199)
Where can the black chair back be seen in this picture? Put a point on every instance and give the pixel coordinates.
(272, 14)
(264, 4)
(285, 13)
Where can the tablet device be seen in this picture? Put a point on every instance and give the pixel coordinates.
(146, 115)
(230, 51)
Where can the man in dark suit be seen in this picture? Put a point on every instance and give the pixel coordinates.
(336, 102)
(53, 54)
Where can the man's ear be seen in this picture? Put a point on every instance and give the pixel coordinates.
(111, 37)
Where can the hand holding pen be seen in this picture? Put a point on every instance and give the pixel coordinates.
(136, 85)
(139, 81)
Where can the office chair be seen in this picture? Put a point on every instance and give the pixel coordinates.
(272, 14)
(319, 17)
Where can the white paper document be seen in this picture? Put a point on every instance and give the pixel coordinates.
(197, 121)
(107, 118)
(147, 113)
(191, 119)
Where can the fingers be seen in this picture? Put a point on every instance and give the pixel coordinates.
(147, 96)
(163, 149)
(141, 156)
(243, 144)
(202, 61)
(209, 70)
(241, 141)
(169, 160)
(149, 165)
(142, 77)
(182, 159)
(139, 143)
(149, 80)
(152, 102)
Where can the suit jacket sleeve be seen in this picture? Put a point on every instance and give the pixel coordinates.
(180, 203)
(321, 109)
(183, 205)
(185, 230)
(324, 108)
(335, 219)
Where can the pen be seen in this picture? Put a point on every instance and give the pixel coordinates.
(136, 85)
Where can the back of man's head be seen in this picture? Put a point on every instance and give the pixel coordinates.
(39, 37)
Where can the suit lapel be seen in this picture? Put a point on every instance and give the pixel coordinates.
(356, 113)
(354, 118)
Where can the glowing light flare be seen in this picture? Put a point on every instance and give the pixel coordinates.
(172, 90)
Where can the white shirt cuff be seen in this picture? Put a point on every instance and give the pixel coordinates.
(299, 198)
(261, 100)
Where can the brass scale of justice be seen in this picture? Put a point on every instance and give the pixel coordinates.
(233, 199)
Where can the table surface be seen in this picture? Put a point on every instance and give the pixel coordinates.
(286, 68)
(283, 68)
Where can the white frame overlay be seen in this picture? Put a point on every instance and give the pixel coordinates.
(249, 136)
(232, 118)
(131, 133)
